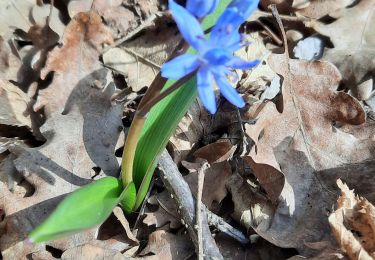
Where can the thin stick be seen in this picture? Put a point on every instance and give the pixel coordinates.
(201, 173)
(271, 33)
(176, 185)
(290, 18)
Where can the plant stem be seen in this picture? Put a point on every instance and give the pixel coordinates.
(136, 129)
(129, 149)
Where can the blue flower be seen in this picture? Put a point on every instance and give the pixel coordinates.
(244, 7)
(214, 60)
(201, 8)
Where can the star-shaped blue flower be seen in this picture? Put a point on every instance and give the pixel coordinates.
(214, 60)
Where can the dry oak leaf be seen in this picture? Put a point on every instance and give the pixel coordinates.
(167, 213)
(92, 252)
(14, 14)
(353, 224)
(216, 176)
(9, 63)
(297, 142)
(167, 246)
(76, 142)
(140, 59)
(353, 36)
(74, 61)
(13, 105)
(316, 9)
(120, 19)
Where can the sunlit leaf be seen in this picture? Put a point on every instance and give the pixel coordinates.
(84, 208)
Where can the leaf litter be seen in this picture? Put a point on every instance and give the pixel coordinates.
(273, 165)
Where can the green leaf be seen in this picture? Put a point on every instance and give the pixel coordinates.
(162, 122)
(128, 198)
(84, 208)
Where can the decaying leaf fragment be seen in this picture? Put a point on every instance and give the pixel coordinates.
(309, 86)
(167, 246)
(13, 105)
(353, 37)
(316, 9)
(215, 176)
(353, 224)
(75, 61)
(299, 148)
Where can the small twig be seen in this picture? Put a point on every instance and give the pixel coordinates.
(290, 18)
(177, 186)
(271, 33)
(201, 173)
(139, 56)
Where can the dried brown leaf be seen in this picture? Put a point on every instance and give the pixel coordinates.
(125, 224)
(91, 252)
(353, 224)
(167, 212)
(9, 63)
(13, 105)
(14, 14)
(76, 142)
(299, 149)
(167, 246)
(316, 9)
(75, 61)
(140, 59)
(353, 39)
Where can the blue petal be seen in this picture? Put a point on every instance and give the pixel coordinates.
(188, 25)
(201, 8)
(218, 56)
(225, 32)
(205, 90)
(237, 63)
(244, 7)
(229, 92)
(180, 66)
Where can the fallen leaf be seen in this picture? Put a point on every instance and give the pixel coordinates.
(353, 224)
(14, 14)
(317, 9)
(190, 130)
(91, 252)
(215, 177)
(167, 246)
(13, 105)
(140, 59)
(74, 62)
(256, 80)
(42, 14)
(353, 40)
(9, 63)
(299, 147)
(76, 142)
(250, 208)
(119, 18)
(125, 224)
(167, 212)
